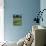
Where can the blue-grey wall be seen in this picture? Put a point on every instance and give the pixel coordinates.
(27, 9)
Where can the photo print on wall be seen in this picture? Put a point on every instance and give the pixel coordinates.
(17, 20)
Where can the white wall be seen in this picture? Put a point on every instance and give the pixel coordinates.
(1, 20)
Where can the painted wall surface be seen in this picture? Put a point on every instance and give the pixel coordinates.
(43, 6)
(27, 9)
(1, 21)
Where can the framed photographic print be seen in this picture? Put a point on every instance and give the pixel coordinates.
(17, 20)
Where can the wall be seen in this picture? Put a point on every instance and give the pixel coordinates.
(1, 21)
(43, 6)
(27, 9)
